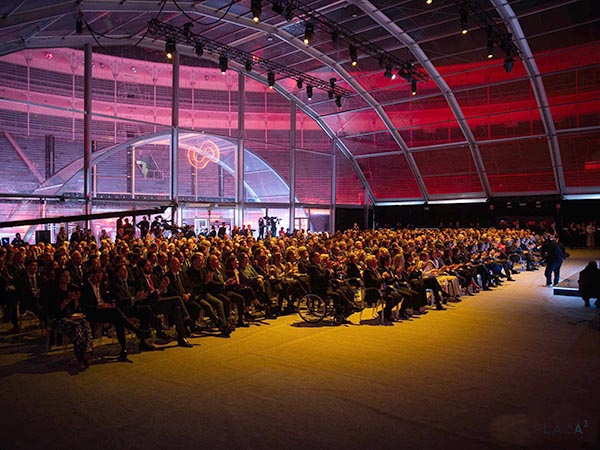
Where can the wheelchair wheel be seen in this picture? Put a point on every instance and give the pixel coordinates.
(312, 308)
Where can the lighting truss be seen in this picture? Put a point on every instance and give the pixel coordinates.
(245, 59)
(496, 34)
(294, 8)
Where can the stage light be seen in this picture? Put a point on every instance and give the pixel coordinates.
(223, 63)
(309, 92)
(330, 94)
(309, 32)
(248, 66)
(79, 24)
(353, 58)
(464, 23)
(429, 2)
(332, 83)
(413, 87)
(490, 48)
(338, 101)
(256, 8)
(278, 7)
(199, 49)
(271, 79)
(299, 83)
(170, 47)
(335, 34)
(389, 74)
(509, 63)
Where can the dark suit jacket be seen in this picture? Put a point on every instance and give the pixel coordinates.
(373, 281)
(23, 288)
(122, 293)
(319, 279)
(173, 289)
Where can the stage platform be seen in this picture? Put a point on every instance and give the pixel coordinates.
(568, 287)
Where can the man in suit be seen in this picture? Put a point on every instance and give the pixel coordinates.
(554, 257)
(76, 268)
(216, 286)
(250, 277)
(171, 306)
(27, 292)
(95, 305)
(180, 286)
(132, 303)
(144, 227)
(320, 285)
(214, 307)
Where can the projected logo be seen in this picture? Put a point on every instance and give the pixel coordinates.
(199, 157)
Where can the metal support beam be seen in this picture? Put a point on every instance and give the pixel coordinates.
(333, 188)
(292, 166)
(398, 33)
(513, 25)
(173, 155)
(87, 130)
(239, 159)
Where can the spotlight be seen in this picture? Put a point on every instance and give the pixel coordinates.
(256, 8)
(309, 92)
(463, 21)
(332, 83)
(271, 79)
(389, 74)
(413, 87)
(270, 38)
(338, 101)
(299, 83)
(79, 24)
(309, 32)
(429, 2)
(509, 63)
(223, 63)
(170, 47)
(278, 7)
(335, 35)
(199, 49)
(330, 93)
(248, 66)
(353, 58)
(490, 48)
(187, 30)
(133, 69)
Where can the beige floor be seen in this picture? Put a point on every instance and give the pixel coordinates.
(503, 369)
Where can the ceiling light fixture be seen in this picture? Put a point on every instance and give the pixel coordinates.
(309, 32)
(490, 48)
(271, 79)
(309, 92)
(389, 74)
(338, 101)
(170, 47)
(256, 8)
(413, 87)
(199, 49)
(248, 66)
(353, 58)
(223, 63)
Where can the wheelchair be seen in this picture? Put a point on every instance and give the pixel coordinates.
(313, 308)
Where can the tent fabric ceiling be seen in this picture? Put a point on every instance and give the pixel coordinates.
(472, 130)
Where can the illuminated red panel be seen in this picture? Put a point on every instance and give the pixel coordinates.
(390, 177)
(439, 133)
(278, 157)
(519, 166)
(348, 188)
(420, 113)
(448, 171)
(313, 177)
(371, 143)
(581, 159)
(310, 136)
(352, 123)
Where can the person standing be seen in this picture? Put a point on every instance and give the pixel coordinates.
(144, 227)
(554, 258)
(590, 231)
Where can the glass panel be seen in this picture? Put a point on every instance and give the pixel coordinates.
(309, 135)
(313, 177)
(581, 160)
(348, 188)
(390, 177)
(371, 143)
(519, 166)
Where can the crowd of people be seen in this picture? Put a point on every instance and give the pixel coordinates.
(179, 286)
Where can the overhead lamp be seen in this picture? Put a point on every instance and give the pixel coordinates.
(332, 83)
(271, 79)
(309, 32)
(299, 83)
(256, 9)
(199, 49)
(338, 101)
(170, 47)
(509, 63)
(490, 48)
(389, 74)
(463, 21)
(187, 30)
(413, 87)
(278, 6)
(429, 2)
(79, 23)
(223, 63)
(353, 58)
(248, 66)
(335, 35)
(309, 92)
(330, 93)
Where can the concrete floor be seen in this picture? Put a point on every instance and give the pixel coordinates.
(503, 369)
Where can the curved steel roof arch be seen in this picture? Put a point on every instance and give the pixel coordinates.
(513, 24)
(386, 23)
